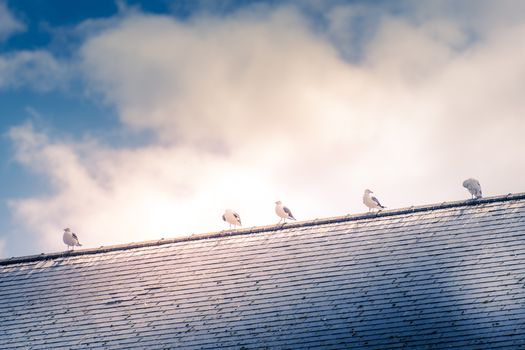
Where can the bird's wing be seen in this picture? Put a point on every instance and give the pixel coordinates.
(237, 217)
(374, 199)
(287, 211)
(75, 238)
(478, 189)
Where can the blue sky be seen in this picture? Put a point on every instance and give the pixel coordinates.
(136, 120)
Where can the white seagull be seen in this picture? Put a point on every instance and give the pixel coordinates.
(283, 212)
(473, 186)
(70, 239)
(232, 218)
(371, 202)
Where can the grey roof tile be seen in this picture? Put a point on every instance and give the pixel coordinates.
(443, 276)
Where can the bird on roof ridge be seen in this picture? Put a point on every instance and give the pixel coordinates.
(232, 218)
(371, 202)
(283, 212)
(70, 239)
(474, 187)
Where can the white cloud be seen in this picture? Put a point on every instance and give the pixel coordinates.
(233, 64)
(2, 249)
(9, 25)
(117, 196)
(255, 107)
(37, 69)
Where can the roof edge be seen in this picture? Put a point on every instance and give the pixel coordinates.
(268, 228)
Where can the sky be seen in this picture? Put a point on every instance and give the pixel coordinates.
(139, 120)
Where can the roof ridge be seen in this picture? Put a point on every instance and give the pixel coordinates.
(267, 228)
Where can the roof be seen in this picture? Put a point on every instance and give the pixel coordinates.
(442, 276)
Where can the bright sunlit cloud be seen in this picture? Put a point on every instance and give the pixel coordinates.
(258, 106)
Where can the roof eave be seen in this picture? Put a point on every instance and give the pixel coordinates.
(268, 228)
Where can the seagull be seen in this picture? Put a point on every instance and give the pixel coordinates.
(371, 202)
(70, 239)
(283, 212)
(232, 218)
(473, 186)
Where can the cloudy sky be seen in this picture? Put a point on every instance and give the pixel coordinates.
(135, 120)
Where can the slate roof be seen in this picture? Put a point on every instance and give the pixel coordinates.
(442, 276)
